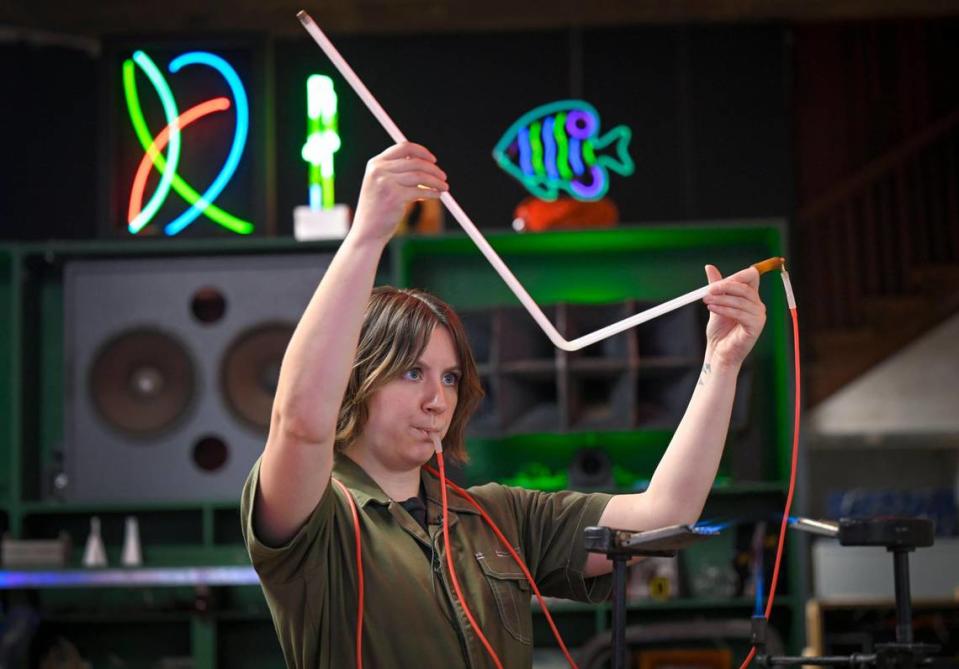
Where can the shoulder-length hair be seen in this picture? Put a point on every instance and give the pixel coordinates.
(396, 329)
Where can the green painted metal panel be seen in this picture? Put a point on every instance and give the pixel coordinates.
(649, 264)
(8, 347)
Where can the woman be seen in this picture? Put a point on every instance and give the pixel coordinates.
(370, 380)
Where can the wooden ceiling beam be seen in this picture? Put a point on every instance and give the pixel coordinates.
(106, 17)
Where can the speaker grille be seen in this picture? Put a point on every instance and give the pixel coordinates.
(142, 382)
(251, 367)
(171, 367)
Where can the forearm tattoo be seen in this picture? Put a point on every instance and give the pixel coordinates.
(702, 376)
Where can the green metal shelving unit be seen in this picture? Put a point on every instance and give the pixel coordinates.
(649, 265)
(227, 626)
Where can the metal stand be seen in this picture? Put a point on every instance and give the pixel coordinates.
(899, 536)
(621, 545)
(619, 611)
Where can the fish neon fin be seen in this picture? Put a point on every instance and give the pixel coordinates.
(620, 163)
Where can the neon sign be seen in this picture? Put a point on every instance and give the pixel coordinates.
(322, 140)
(171, 139)
(558, 147)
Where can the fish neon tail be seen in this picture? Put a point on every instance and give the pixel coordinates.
(620, 161)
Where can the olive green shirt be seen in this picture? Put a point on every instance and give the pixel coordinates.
(412, 615)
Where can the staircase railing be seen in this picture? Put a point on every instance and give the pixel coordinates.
(867, 236)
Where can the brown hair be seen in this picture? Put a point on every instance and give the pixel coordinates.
(396, 329)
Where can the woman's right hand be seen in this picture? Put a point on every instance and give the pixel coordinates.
(403, 173)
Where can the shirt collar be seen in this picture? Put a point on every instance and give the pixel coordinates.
(355, 478)
(366, 490)
(431, 485)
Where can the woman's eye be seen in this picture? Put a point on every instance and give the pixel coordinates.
(451, 379)
(413, 374)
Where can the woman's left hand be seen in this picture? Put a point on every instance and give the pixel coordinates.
(736, 316)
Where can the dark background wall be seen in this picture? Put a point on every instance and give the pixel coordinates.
(864, 88)
(48, 108)
(708, 106)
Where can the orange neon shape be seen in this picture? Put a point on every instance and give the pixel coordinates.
(143, 171)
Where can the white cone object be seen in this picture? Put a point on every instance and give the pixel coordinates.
(94, 554)
(132, 555)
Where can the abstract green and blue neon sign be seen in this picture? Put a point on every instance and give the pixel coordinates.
(163, 151)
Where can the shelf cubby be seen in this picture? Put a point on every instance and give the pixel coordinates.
(677, 335)
(486, 418)
(601, 400)
(479, 331)
(581, 319)
(519, 340)
(529, 401)
(662, 394)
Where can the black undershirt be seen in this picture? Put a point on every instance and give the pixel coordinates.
(416, 507)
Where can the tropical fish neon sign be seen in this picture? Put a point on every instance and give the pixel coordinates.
(171, 139)
(558, 147)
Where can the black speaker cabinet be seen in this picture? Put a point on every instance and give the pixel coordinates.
(171, 371)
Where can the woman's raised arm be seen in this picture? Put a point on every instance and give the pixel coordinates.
(298, 458)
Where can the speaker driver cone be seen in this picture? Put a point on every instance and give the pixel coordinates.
(251, 367)
(142, 381)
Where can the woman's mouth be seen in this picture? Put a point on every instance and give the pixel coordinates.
(426, 433)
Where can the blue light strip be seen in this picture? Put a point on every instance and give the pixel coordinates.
(758, 582)
(132, 577)
(525, 152)
(316, 197)
(596, 189)
(549, 143)
(239, 135)
(710, 527)
(575, 159)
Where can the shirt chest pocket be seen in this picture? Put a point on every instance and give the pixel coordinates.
(511, 592)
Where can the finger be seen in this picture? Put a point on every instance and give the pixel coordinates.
(712, 273)
(749, 276)
(730, 287)
(751, 322)
(412, 165)
(414, 179)
(407, 150)
(736, 313)
(736, 301)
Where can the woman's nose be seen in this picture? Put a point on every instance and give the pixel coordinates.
(435, 399)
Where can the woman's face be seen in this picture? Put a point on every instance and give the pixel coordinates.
(409, 411)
